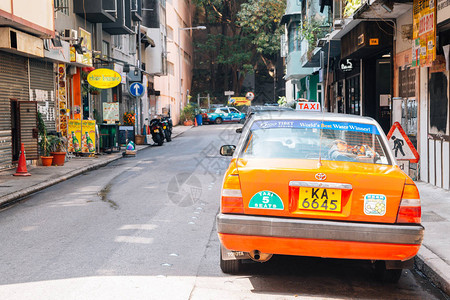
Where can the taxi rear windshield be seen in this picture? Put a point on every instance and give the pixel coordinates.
(335, 141)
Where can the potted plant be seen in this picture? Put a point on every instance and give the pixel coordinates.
(44, 142)
(58, 149)
(188, 114)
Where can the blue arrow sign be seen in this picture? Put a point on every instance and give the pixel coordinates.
(136, 89)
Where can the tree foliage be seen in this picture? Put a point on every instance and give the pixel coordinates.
(260, 19)
(241, 34)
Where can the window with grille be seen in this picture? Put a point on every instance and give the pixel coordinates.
(62, 6)
(105, 50)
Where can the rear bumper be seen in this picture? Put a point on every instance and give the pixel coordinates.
(319, 238)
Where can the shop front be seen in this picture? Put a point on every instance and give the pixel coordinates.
(434, 78)
(26, 88)
(368, 48)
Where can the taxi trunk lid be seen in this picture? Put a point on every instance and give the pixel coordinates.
(334, 191)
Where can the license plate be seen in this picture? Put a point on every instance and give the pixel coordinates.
(156, 130)
(319, 199)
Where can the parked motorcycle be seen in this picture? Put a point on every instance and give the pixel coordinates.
(157, 131)
(167, 126)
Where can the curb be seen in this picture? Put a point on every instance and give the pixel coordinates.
(9, 199)
(434, 268)
(6, 200)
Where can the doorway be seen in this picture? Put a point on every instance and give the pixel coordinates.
(24, 129)
(383, 92)
(15, 126)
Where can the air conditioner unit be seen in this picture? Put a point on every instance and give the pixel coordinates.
(71, 34)
(16, 41)
(338, 23)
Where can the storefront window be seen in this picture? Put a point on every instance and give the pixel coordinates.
(352, 95)
(438, 87)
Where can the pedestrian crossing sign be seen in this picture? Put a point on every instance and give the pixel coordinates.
(401, 145)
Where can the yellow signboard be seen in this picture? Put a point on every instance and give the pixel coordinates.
(424, 33)
(104, 78)
(81, 136)
(239, 101)
(86, 58)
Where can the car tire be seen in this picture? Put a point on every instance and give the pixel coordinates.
(386, 275)
(230, 266)
(218, 121)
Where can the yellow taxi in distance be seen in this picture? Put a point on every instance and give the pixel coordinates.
(317, 184)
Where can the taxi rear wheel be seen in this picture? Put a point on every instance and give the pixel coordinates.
(386, 275)
(218, 121)
(230, 266)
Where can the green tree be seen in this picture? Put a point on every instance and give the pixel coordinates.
(260, 20)
(241, 35)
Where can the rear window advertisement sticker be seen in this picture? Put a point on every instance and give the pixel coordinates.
(330, 125)
(375, 204)
(266, 200)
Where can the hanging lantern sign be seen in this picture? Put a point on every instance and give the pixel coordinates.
(104, 78)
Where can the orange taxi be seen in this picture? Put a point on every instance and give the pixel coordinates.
(317, 184)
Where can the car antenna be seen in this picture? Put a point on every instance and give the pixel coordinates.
(319, 164)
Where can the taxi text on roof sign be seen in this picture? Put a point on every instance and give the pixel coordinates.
(308, 106)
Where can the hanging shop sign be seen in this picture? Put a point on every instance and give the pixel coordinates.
(424, 33)
(104, 78)
(84, 54)
(346, 65)
(443, 10)
(81, 137)
(62, 100)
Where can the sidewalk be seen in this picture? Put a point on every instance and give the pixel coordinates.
(13, 188)
(433, 259)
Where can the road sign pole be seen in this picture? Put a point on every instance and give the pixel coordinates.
(136, 123)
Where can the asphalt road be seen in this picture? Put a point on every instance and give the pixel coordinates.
(143, 228)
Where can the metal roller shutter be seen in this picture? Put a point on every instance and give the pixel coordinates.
(42, 90)
(28, 128)
(13, 85)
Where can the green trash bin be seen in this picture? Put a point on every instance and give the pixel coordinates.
(109, 137)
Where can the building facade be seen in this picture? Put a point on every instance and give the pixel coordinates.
(390, 61)
(174, 89)
(26, 77)
(48, 48)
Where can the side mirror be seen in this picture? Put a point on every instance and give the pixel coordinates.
(239, 130)
(227, 150)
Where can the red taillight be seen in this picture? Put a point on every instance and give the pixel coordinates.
(231, 197)
(410, 210)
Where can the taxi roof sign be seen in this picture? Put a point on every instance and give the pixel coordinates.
(397, 138)
(308, 106)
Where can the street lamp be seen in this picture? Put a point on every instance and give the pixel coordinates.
(180, 66)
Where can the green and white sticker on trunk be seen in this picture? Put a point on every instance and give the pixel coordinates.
(266, 200)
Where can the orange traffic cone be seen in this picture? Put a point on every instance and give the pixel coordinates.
(195, 122)
(22, 167)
